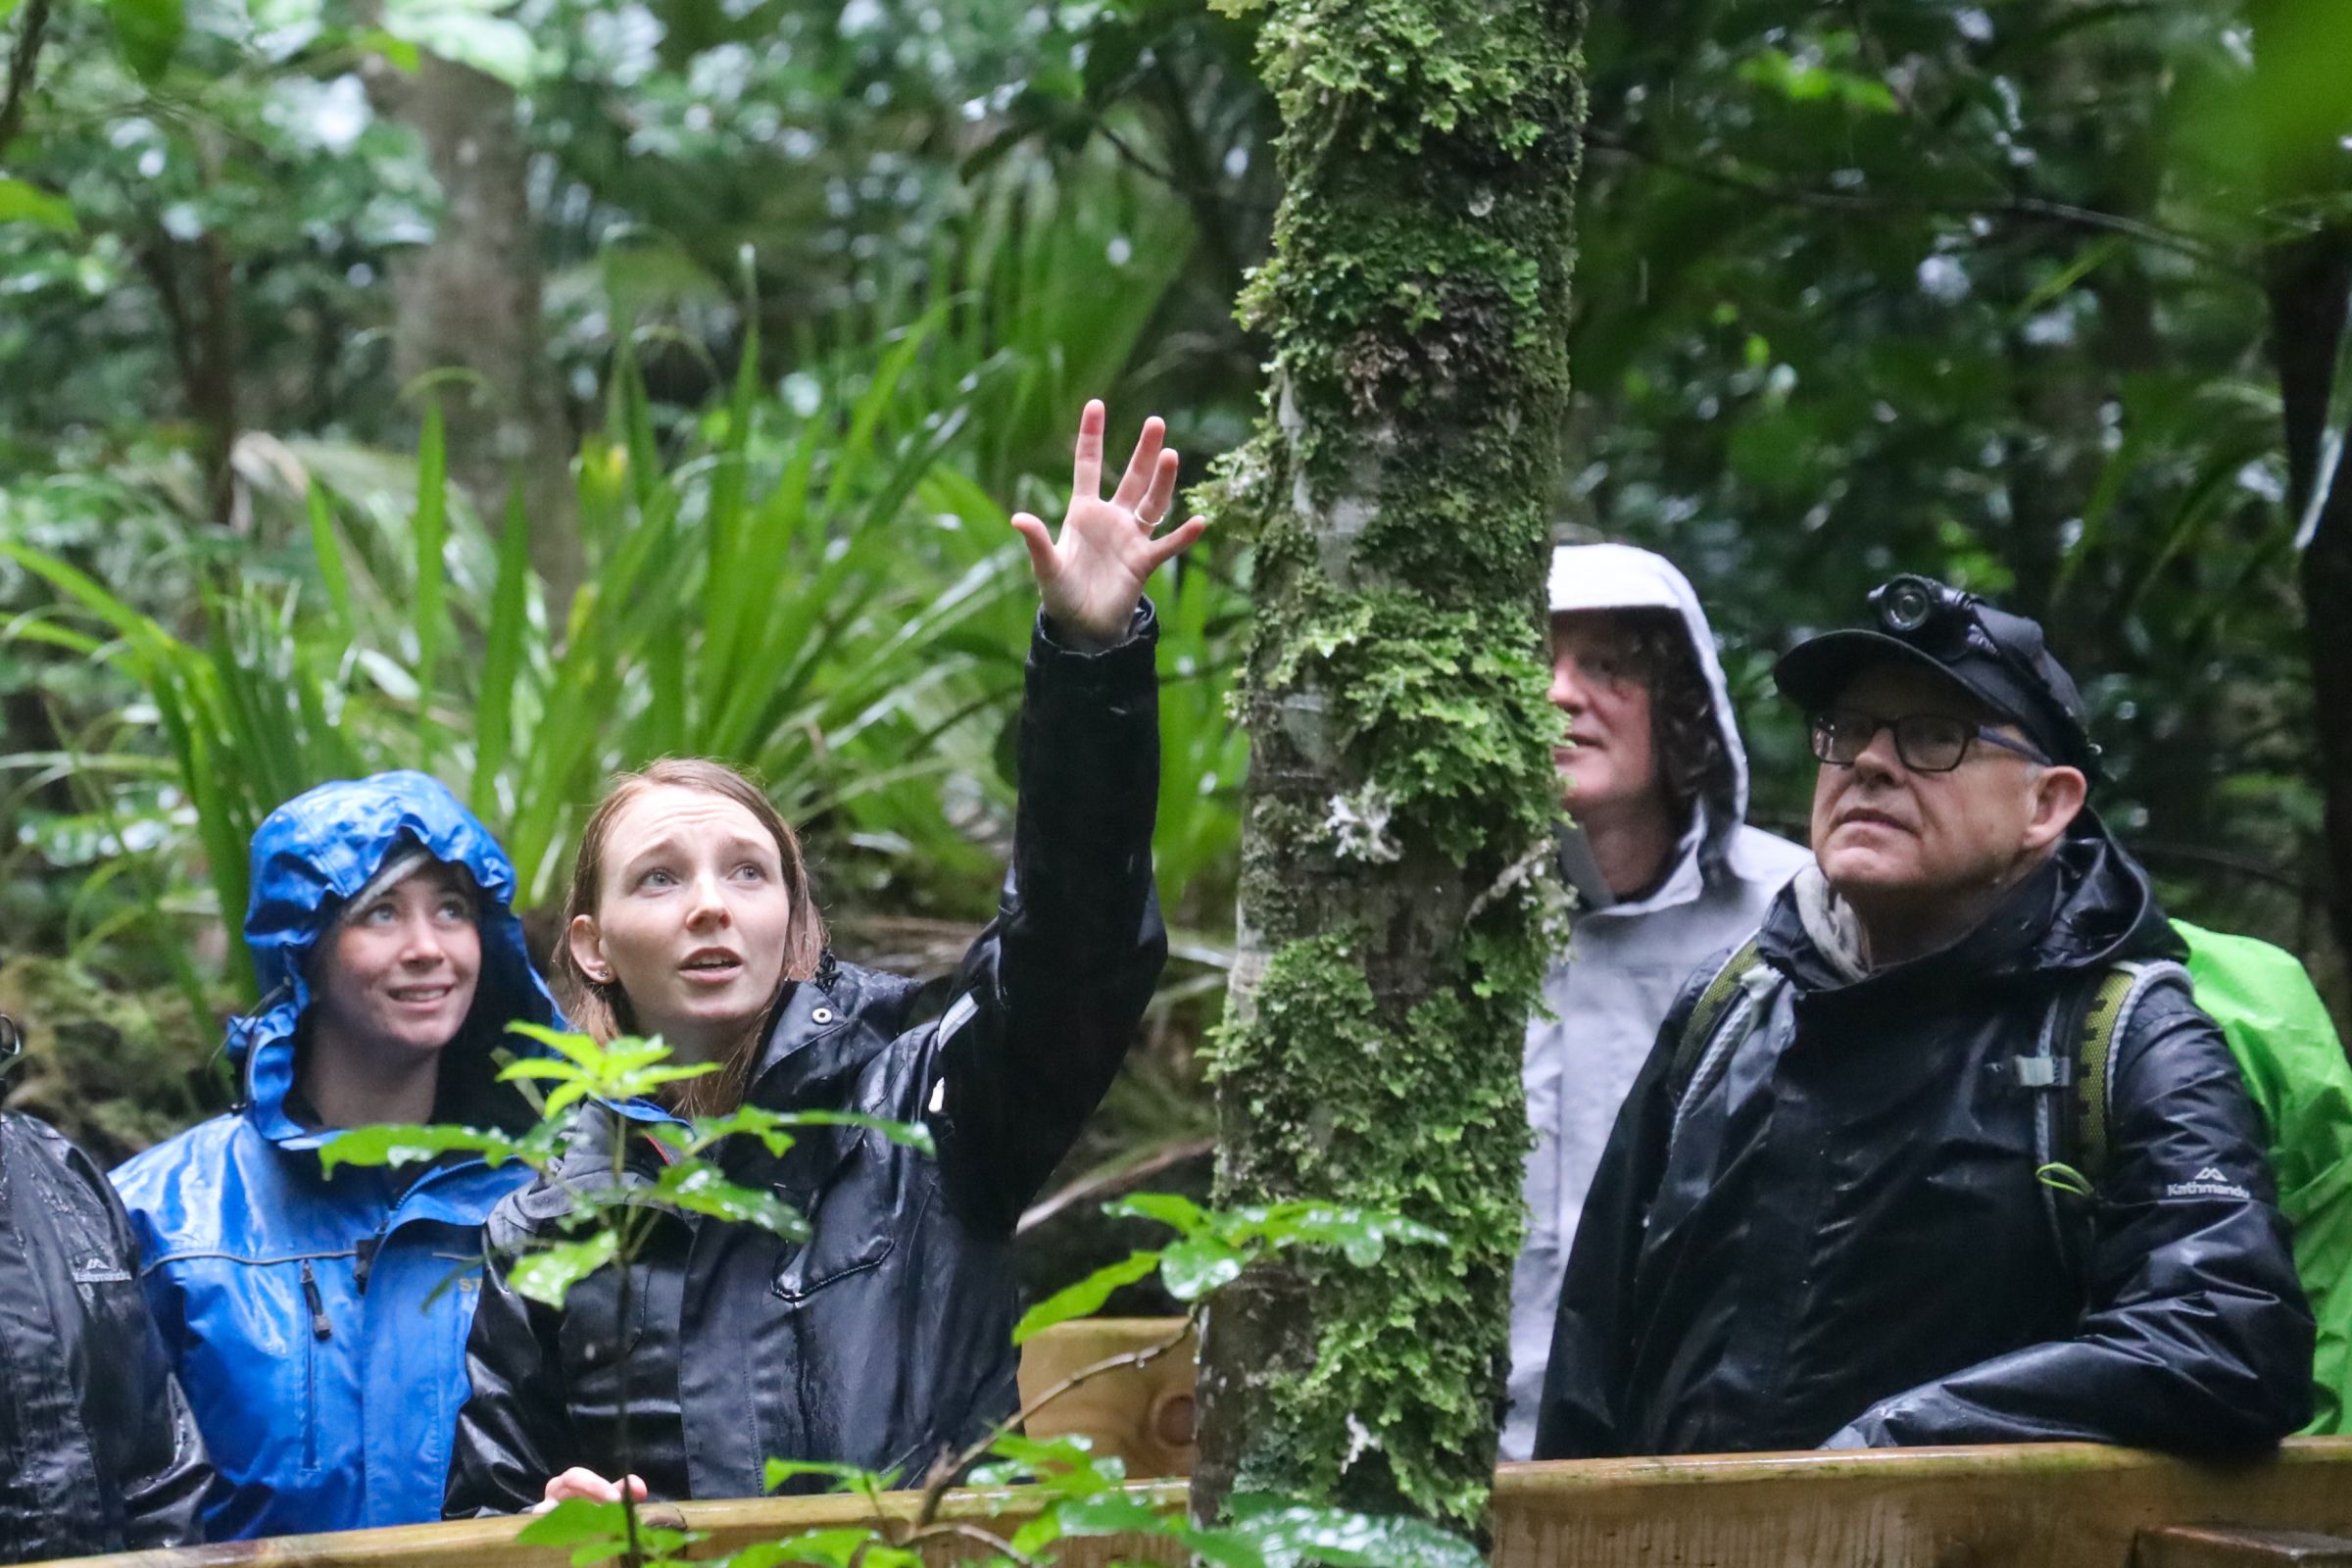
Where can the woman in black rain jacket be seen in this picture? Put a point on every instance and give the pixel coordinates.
(884, 1339)
(98, 1451)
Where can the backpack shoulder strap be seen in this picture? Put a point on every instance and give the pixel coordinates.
(1707, 1015)
(2096, 1024)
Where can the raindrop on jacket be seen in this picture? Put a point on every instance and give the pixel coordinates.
(319, 1325)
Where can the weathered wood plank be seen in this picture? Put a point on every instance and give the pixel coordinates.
(2236, 1547)
(2059, 1505)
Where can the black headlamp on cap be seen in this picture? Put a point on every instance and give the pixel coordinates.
(2000, 659)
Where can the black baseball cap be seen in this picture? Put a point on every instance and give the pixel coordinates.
(2000, 659)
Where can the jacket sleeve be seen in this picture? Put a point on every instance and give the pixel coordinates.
(1050, 995)
(514, 1431)
(1591, 1338)
(2196, 1338)
(166, 1473)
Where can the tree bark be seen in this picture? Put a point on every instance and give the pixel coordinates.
(470, 301)
(2303, 56)
(1396, 910)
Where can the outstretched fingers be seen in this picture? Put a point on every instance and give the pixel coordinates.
(1143, 466)
(1162, 494)
(1040, 540)
(1175, 542)
(1086, 475)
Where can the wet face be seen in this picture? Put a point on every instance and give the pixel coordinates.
(1887, 834)
(399, 970)
(1612, 761)
(690, 919)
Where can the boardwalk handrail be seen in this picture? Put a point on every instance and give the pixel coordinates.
(2056, 1506)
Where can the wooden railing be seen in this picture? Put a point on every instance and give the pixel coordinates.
(2059, 1505)
(2056, 1506)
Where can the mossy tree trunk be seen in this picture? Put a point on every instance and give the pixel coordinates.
(1396, 918)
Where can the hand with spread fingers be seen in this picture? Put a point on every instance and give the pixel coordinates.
(1092, 576)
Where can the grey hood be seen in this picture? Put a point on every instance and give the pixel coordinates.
(1588, 577)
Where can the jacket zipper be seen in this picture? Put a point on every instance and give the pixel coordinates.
(320, 1329)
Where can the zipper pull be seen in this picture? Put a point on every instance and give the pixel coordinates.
(320, 1328)
(366, 1252)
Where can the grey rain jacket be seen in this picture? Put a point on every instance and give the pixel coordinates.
(886, 1338)
(1840, 1239)
(98, 1450)
(1608, 993)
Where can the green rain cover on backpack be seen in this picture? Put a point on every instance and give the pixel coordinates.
(2297, 1075)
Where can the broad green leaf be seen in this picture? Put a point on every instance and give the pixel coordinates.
(577, 1522)
(1293, 1532)
(503, 654)
(398, 53)
(21, 202)
(547, 1277)
(1192, 1269)
(905, 1134)
(148, 32)
(848, 1477)
(429, 611)
(835, 1548)
(1169, 1208)
(468, 33)
(1064, 1464)
(1114, 1515)
(395, 1144)
(328, 550)
(699, 1188)
(1084, 1296)
(1362, 1234)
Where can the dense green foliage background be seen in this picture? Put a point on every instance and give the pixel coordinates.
(1975, 289)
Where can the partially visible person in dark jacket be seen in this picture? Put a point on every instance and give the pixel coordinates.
(884, 1341)
(98, 1451)
(1825, 1227)
(319, 1323)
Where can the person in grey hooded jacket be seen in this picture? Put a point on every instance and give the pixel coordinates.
(1666, 873)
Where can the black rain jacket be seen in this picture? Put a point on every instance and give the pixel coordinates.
(98, 1451)
(886, 1338)
(1845, 1243)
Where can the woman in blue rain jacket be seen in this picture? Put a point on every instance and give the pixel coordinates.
(319, 1325)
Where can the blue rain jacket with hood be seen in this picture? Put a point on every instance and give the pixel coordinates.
(1606, 995)
(318, 1326)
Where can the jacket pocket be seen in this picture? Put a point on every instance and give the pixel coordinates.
(815, 1265)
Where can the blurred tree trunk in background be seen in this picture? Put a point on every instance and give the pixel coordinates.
(1401, 803)
(470, 301)
(2303, 62)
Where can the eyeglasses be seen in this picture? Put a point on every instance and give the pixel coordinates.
(1928, 743)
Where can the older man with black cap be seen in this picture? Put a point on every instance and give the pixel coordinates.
(1828, 1214)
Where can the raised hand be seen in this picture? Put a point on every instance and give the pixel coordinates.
(1092, 576)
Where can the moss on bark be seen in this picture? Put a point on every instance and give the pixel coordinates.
(1402, 789)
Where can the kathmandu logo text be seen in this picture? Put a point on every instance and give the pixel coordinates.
(2207, 1183)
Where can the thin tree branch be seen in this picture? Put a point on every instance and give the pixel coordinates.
(1150, 1163)
(20, 64)
(944, 1476)
(2154, 235)
(973, 1532)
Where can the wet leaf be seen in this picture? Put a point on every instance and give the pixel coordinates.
(1083, 1298)
(395, 1144)
(547, 1277)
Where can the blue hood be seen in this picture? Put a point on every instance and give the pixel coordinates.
(309, 855)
